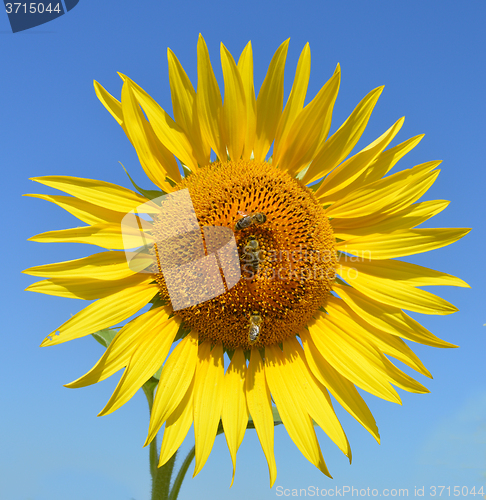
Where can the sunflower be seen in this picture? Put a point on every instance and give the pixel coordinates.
(316, 305)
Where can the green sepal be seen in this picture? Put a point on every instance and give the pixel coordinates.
(301, 174)
(152, 382)
(276, 419)
(229, 352)
(170, 181)
(148, 193)
(157, 302)
(316, 185)
(340, 281)
(187, 171)
(105, 336)
(183, 331)
(156, 375)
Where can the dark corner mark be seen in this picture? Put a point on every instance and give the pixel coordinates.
(25, 15)
(70, 4)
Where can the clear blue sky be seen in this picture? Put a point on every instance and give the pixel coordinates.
(431, 57)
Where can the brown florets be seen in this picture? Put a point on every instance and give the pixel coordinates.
(288, 262)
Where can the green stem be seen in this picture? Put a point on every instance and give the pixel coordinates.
(174, 493)
(161, 476)
(161, 480)
(148, 389)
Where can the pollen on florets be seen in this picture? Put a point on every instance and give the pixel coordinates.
(287, 257)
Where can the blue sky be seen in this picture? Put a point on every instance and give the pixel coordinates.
(430, 56)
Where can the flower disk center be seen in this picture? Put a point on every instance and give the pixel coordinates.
(286, 250)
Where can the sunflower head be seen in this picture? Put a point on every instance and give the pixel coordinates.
(285, 249)
(303, 247)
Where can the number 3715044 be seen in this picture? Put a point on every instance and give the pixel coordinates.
(32, 8)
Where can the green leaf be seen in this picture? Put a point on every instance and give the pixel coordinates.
(148, 193)
(156, 375)
(151, 384)
(276, 419)
(105, 336)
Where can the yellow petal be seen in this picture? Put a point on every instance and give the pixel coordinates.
(185, 108)
(165, 128)
(175, 378)
(394, 293)
(379, 167)
(401, 243)
(209, 105)
(340, 387)
(234, 106)
(387, 318)
(143, 140)
(110, 103)
(152, 349)
(382, 367)
(352, 168)
(310, 127)
(103, 313)
(163, 158)
(85, 288)
(383, 341)
(338, 146)
(270, 102)
(208, 400)
(87, 212)
(177, 426)
(103, 194)
(295, 418)
(407, 218)
(235, 410)
(363, 365)
(314, 395)
(100, 266)
(260, 407)
(387, 159)
(404, 272)
(388, 195)
(245, 67)
(122, 347)
(295, 102)
(103, 235)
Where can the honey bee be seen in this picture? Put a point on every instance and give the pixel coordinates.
(255, 327)
(252, 254)
(249, 220)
